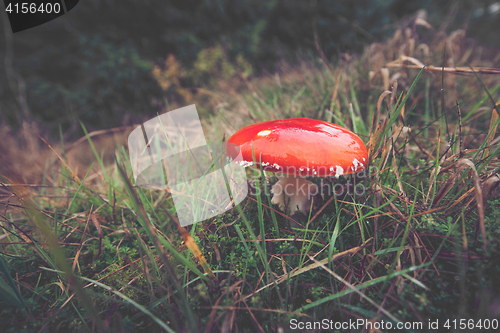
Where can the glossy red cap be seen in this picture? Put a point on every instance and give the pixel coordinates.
(302, 146)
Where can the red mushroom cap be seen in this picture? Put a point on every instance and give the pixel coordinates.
(302, 146)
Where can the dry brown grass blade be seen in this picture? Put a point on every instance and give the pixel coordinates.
(350, 286)
(96, 133)
(296, 272)
(213, 313)
(488, 185)
(414, 215)
(375, 132)
(386, 152)
(227, 324)
(460, 147)
(385, 76)
(400, 281)
(75, 177)
(402, 112)
(256, 323)
(393, 95)
(378, 200)
(322, 54)
(79, 249)
(422, 22)
(399, 63)
(30, 241)
(195, 250)
(462, 164)
(113, 272)
(375, 137)
(398, 178)
(335, 92)
(277, 212)
(99, 232)
(492, 130)
(459, 200)
(376, 115)
(415, 234)
(418, 249)
(448, 185)
(422, 149)
(434, 173)
(398, 212)
(321, 209)
(263, 272)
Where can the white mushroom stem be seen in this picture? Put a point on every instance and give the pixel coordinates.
(296, 190)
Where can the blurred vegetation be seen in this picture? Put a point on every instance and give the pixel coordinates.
(95, 63)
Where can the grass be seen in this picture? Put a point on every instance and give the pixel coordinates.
(420, 243)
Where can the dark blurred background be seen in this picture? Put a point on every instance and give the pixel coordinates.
(110, 62)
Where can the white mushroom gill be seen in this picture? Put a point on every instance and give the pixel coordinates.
(296, 190)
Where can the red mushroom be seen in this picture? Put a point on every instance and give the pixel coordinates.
(297, 148)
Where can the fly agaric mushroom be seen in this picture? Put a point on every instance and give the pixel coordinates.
(297, 148)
